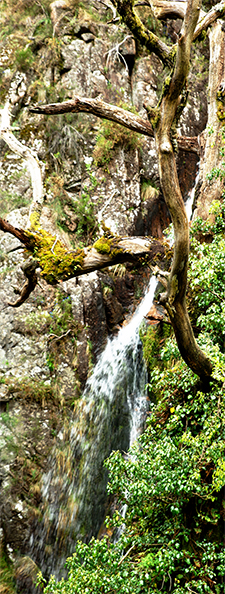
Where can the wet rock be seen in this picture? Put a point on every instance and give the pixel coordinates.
(113, 308)
(187, 164)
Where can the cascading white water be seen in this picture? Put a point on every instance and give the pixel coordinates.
(190, 200)
(110, 415)
(119, 361)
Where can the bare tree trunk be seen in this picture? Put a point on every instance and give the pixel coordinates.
(31, 161)
(174, 298)
(212, 157)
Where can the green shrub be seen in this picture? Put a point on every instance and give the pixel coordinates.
(171, 482)
(206, 276)
(111, 136)
(24, 59)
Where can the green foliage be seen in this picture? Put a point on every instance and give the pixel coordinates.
(10, 201)
(206, 276)
(82, 209)
(24, 59)
(111, 136)
(152, 339)
(215, 224)
(171, 484)
(216, 172)
(61, 316)
(87, 224)
(6, 573)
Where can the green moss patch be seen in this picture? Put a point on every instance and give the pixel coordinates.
(55, 261)
(102, 245)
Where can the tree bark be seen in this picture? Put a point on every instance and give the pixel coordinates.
(105, 252)
(31, 161)
(125, 8)
(174, 298)
(212, 154)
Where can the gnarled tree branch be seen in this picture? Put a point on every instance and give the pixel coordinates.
(57, 263)
(113, 113)
(174, 299)
(125, 8)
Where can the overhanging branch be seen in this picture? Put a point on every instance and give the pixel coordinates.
(113, 113)
(125, 8)
(100, 109)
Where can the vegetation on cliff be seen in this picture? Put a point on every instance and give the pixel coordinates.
(168, 526)
(163, 120)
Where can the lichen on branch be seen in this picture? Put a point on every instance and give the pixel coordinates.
(57, 263)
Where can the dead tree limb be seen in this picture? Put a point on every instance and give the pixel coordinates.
(61, 264)
(30, 159)
(113, 113)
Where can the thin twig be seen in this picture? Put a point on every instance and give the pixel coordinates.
(118, 53)
(126, 555)
(163, 582)
(216, 295)
(55, 337)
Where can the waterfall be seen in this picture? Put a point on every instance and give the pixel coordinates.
(110, 415)
(191, 196)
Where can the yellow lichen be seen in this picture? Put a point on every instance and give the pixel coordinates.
(34, 220)
(102, 245)
(56, 262)
(153, 114)
(220, 97)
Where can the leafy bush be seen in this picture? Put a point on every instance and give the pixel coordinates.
(206, 276)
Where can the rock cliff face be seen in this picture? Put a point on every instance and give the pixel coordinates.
(92, 172)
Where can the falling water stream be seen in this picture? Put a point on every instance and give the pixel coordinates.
(110, 415)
